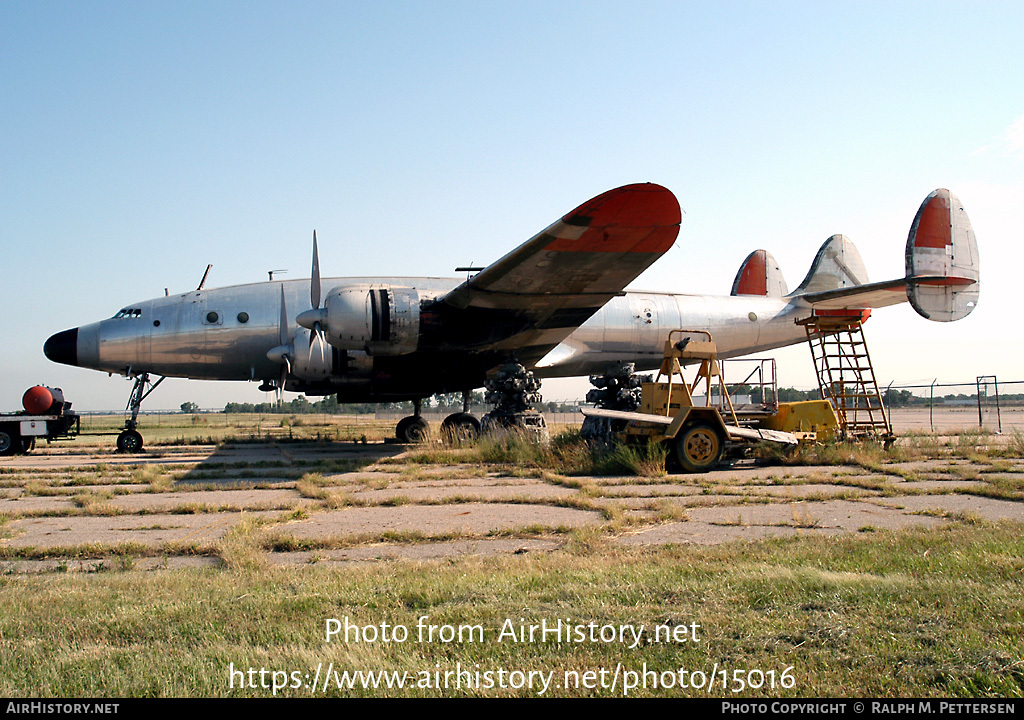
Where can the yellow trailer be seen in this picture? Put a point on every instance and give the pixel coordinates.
(698, 434)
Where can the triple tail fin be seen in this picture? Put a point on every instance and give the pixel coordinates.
(760, 275)
(942, 281)
(942, 259)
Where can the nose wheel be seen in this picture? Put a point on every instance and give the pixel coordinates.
(129, 441)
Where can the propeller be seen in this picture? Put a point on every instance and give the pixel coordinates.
(288, 346)
(314, 278)
(284, 336)
(314, 302)
(280, 354)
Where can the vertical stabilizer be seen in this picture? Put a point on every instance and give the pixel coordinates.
(760, 275)
(942, 259)
(837, 265)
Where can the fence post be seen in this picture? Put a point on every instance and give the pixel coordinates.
(931, 406)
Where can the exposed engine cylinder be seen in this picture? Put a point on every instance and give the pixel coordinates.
(42, 400)
(380, 320)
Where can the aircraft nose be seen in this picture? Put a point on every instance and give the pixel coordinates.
(63, 347)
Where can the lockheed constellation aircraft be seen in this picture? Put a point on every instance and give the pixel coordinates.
(556, 304)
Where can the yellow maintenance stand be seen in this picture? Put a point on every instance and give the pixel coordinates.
(698, 434)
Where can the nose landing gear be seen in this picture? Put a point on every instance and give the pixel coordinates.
(130, 439)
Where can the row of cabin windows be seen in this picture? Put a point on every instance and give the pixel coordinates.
(212, 317)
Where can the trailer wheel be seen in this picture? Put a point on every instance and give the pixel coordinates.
(8, 446)
(129, 441)
(699, 448)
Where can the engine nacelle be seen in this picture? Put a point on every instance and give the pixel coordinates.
(313, 359)
(380, 320)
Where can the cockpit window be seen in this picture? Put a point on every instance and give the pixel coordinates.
(128, 313)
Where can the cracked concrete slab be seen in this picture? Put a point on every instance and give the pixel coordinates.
(842, 514)
(986, 508)
(36, 503)
(439, 519)
(702, 533)
(78, 530)
(216, 499)
(417, 551)
(487, 489)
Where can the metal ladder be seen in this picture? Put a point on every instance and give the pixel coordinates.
(845, 375)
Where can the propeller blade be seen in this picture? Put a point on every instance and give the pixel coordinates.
(284, 336)
(317, 338)
(314, 278)
(285, 369)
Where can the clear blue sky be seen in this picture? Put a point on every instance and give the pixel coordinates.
(141, 141)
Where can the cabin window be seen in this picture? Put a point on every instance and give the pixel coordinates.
(212, 317)
(243, 317)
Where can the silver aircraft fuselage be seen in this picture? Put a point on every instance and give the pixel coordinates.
(555, 304)
(226, 333)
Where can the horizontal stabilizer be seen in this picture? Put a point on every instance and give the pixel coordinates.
(760, 275)
(942, 259)
(942, 280)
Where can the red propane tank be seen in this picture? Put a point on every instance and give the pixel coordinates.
(41, 400)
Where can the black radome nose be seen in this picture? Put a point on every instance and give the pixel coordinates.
(63, 347)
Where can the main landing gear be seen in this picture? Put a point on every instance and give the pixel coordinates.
(413, 429)
(619, 388)
(514, 391)
(455, 428)
(461, 426)
(130, 439)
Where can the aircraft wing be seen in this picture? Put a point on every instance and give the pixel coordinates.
(540, 292)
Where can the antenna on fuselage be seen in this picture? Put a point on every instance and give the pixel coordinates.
(270, 274)
(205, 275)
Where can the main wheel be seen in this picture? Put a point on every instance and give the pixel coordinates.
(129, 441)
(9, 443)
(459, 427)
(699, 448)
(412, 429)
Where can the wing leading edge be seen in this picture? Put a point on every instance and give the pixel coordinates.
(555, 281)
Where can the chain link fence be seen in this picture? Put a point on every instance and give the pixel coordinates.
(987, 404)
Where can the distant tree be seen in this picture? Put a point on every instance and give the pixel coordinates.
(189, 408)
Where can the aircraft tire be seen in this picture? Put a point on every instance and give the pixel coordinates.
(129, 441)
(412, 430)
(699, 448)
(459, 427)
